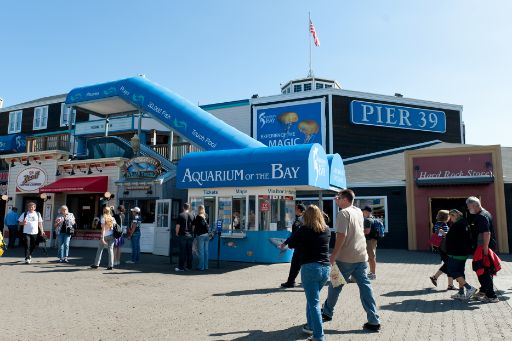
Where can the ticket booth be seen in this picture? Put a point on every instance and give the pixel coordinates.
(250, 195)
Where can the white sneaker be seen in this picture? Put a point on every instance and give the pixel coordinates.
(470, 292)
(458, 296)
(372, 276)
(178, 270)
(28, 261)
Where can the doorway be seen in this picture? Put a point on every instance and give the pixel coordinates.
(437, 204)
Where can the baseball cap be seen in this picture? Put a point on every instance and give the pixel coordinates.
(135, 209)
(368, 208)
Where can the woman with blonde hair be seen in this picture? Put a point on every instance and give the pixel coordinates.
(201, 228)
(64, 228)
(107, 239)
(312, 243)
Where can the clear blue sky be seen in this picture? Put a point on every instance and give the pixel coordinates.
(456, 51)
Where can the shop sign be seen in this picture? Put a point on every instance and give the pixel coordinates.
(393, 116)
(98, 126)
(143, 167)
(13, 143)
(290, 124)
(264, 206)
(453, 174)
(31, 179)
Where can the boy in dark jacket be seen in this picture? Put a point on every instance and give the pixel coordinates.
(458, 247)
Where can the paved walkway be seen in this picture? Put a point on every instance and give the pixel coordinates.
(46, 300)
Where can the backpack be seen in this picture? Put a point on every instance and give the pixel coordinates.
(379, 228)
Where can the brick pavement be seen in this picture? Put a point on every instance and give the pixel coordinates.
(237, 302)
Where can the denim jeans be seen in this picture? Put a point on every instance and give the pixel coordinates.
(13, 233)
(185, 252)
(359, 273)
(202, 248)
(110, 245)
(314, 276)
(135, 247)
(64, 239)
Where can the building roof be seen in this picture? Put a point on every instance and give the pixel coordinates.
(36, 103)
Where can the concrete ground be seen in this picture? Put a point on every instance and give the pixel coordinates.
(46, 300)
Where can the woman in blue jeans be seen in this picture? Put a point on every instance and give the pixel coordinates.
(200, 227)
(312, 241)
(63, 228)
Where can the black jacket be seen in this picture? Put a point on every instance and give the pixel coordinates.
(313, 247)
(458, 239)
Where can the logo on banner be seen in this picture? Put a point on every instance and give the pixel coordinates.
(143, 167)
(31, 179)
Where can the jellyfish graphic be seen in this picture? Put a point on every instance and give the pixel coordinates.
(288, 119)
(309, 128)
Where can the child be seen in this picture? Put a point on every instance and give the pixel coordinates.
(441, 228)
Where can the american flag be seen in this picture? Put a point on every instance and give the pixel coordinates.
(313, 32)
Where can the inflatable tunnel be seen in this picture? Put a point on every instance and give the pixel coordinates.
(137, 93)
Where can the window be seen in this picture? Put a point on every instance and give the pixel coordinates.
(307, 87)
(40, 117)
(328, 86)
(319, 86)
(65, 115)
(379, 206)
(15, 121)
(276, 213)
(297, 88)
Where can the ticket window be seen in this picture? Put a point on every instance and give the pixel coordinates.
(239, 219)
(276, 213)
(251, 216)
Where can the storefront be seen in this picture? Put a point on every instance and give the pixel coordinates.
(250, 195)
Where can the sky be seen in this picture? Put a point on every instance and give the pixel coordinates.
(456, 51)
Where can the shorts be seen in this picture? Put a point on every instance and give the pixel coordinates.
(456, 267)
(371, 248)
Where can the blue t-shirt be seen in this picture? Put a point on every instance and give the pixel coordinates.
(438, 225)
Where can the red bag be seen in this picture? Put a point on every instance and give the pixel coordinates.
(436, 240)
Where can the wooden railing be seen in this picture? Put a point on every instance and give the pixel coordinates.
(178, 150)
(48, 142)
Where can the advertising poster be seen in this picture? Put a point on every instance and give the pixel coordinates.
(290, 124)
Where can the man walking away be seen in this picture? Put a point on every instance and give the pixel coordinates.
(295, 264)
(483, 226)
(31, 222)
(350, 255)
(371, 235)
(11, 220)
(186, 237)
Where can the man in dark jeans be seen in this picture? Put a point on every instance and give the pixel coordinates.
(482, 224)
(185, 237)
(295, 265)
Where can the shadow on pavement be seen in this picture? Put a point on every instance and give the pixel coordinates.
(429, 307)
(258, 292)
(402, 293)
(292, 333)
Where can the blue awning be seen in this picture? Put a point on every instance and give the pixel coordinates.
(15, 143)
(337, 177)
(303, 166)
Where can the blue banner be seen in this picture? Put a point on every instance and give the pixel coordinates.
(15, 143)
(336, 171)
(304, 165)
(393, 116)
(289, 125)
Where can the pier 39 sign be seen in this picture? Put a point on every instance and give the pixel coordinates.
(393, 116)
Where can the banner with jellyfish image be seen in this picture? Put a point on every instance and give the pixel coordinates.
(290, 124)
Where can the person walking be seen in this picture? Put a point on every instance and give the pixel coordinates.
(441, 228)
(351, 257)
(485, 240)
(312, 243)
(119, 242)
(201, 228)
(295, 263)
(32, 223)
(11, 220)
(134, 235)
(186, 237)
(64, 228)
(458, 247)
(372, 236)
(106, 240)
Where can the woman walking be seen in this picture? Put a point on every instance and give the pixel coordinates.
(441, 228)
(200, 227)
(107, 239)
(312, 242)
(119, 242)
(64, 228)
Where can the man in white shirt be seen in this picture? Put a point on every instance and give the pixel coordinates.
(31, 222)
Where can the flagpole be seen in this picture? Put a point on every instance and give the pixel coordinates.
(310, 41)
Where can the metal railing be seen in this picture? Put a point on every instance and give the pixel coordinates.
(48, 142)
(178, 150)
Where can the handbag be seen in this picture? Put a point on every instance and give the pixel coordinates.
(436, 240)
(336, 277)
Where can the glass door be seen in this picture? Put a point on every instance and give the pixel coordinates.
(163, 227)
